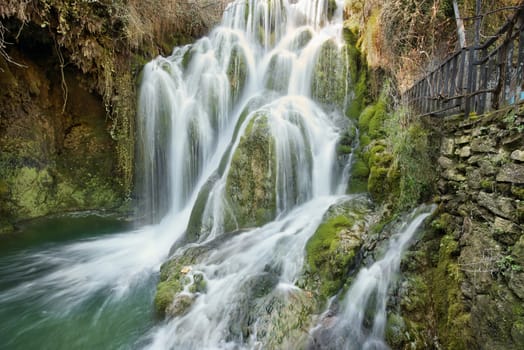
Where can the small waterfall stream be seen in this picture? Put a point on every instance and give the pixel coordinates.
(361, 321)
(237, 165)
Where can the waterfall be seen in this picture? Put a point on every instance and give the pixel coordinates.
(240, 129)
(237, 166)
(361, 322)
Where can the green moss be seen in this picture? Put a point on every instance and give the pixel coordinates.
(251, 182)
(165, 294)
(325, 257)
(443, 223)
(330, 83)
(322, 244)
(518, 191)
(452, 317)
(237, 72)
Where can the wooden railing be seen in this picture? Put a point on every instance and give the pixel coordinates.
(475, 79)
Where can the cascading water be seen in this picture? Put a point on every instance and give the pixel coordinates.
(361, 322)
(237, 138)
(263, 153)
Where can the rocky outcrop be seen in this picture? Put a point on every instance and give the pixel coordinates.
(251, 181)
(68, 72)
(332, 252)
(331, 80)
(468, 271)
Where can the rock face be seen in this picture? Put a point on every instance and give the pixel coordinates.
(330, 85)
(56, 154)
(66, 98)
(333, 250)
(251, 181)
(469, 267)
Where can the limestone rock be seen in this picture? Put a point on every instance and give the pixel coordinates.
(464, 152)
(251, 181)
(505, 231)
(517, 155)
(453, 175)
(500, 206)
(516, 283)
(181, 304)
(445, 162)
(447, 147)
(511, 172)
(483, 145)
(462, 140)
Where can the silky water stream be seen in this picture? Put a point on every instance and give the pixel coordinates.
(237, 137)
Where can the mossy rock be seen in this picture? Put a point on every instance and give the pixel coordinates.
(332, 250)
(175, 275)
(278, 73)
(453, 319)
(237, 72)
(251, 181)
(330, 82)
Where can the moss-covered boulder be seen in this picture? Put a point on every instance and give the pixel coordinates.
(179, 285)
(330, 82)
(251, 181)
(333, 248)
(237, 72)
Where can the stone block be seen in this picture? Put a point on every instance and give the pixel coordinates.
(511, 172)
(453, 175)
(483, 145)
(445, 162)
(463, 152)
(447, 147)
(462, 140)
(506, 231)
(500, 206)
(517, 155)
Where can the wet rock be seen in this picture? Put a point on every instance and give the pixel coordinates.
(180, 305)
(511, 172)
(329, 85)
(251, 182)
(334, 247)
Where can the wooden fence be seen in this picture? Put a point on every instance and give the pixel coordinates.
(475, 79)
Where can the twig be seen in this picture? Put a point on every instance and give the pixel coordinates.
(3, 46)
(63, 84)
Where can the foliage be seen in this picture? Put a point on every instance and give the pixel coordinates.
(413, 158)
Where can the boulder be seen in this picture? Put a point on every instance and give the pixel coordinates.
(251, 181)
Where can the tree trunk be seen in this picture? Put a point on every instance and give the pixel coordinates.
(460, 26)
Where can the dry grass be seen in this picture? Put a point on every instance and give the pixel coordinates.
(408, 38)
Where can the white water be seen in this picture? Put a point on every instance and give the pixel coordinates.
(361, 322)
(190, 109)
(260, 47)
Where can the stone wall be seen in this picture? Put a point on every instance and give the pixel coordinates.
(481, 197)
